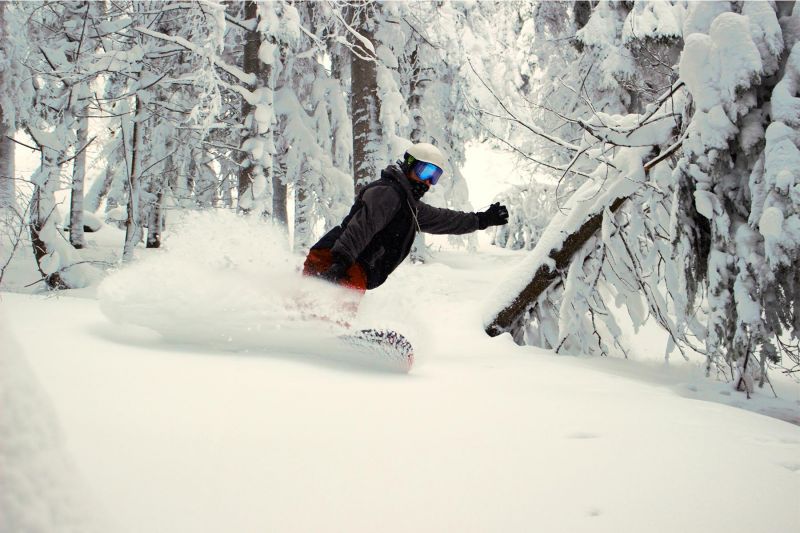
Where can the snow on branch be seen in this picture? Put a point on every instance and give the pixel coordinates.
(565, 236)
(366, 52)
(234, 71)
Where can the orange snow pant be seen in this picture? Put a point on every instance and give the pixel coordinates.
(319, 260)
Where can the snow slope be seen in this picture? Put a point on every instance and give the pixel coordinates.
(481, 436)
(206, 421)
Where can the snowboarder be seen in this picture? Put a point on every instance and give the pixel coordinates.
(377, 234)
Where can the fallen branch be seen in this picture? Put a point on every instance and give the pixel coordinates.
(510, 318)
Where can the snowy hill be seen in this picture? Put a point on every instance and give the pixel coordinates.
(483, 435)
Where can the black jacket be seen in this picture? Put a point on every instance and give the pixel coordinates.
(379, 230)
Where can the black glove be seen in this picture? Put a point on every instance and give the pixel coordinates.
(337, 271)
(496, 215)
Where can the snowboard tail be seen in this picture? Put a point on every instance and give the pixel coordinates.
(390, 349)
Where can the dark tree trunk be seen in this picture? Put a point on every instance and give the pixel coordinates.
(154, 221)
(262, 166)
(415, 89)
(251, 65)
(582, 11)
(365, 104)
(155, 216)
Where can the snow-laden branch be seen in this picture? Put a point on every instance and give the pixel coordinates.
(367, 45)
(563, 238)
(234, 71)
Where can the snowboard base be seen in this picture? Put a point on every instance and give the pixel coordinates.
(389, 349)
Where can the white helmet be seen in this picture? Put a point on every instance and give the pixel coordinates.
(425, 152)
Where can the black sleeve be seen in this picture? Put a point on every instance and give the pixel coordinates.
(445, 221)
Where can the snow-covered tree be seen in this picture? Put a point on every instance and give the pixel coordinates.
(699, 238)
(7, 115)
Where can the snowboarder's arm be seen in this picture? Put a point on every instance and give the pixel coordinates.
(445, 221)
(379, 205)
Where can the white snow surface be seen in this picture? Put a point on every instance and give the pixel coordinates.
(179, 434)
(39, 488)
(184, 394)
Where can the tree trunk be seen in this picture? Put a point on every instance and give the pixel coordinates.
(416, 87)
(155, 219)
(155, 216)
(419, 250)
(251, 64)
(302, 229)
(205, 181)
(43, 213)
(255, 175)
(8, 196)
(365, 106)
(280, 193)
(8, 193)
(76, 237)
(133, 225)
(99, 190)
(581, 13)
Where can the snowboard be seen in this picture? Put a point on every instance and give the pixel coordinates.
(384, 349)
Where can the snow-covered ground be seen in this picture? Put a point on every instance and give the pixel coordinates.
(199, 423)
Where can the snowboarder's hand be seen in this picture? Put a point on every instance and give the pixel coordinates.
(496, 215)
(337, 271)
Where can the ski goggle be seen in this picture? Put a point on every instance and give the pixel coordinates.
(427, 172)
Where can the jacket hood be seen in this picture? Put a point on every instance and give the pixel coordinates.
(395, 173)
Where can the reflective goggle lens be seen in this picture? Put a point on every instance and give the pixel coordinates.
(428, 172)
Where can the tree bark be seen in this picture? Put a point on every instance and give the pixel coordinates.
(8, 198)
(581, 13)
(415, 89)
(280, 192)
(250, 64)
(7, 186)
(302, 229)
(133, 225)
(76, 236)
(365, 105)
(155, 221)
(155, 216)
